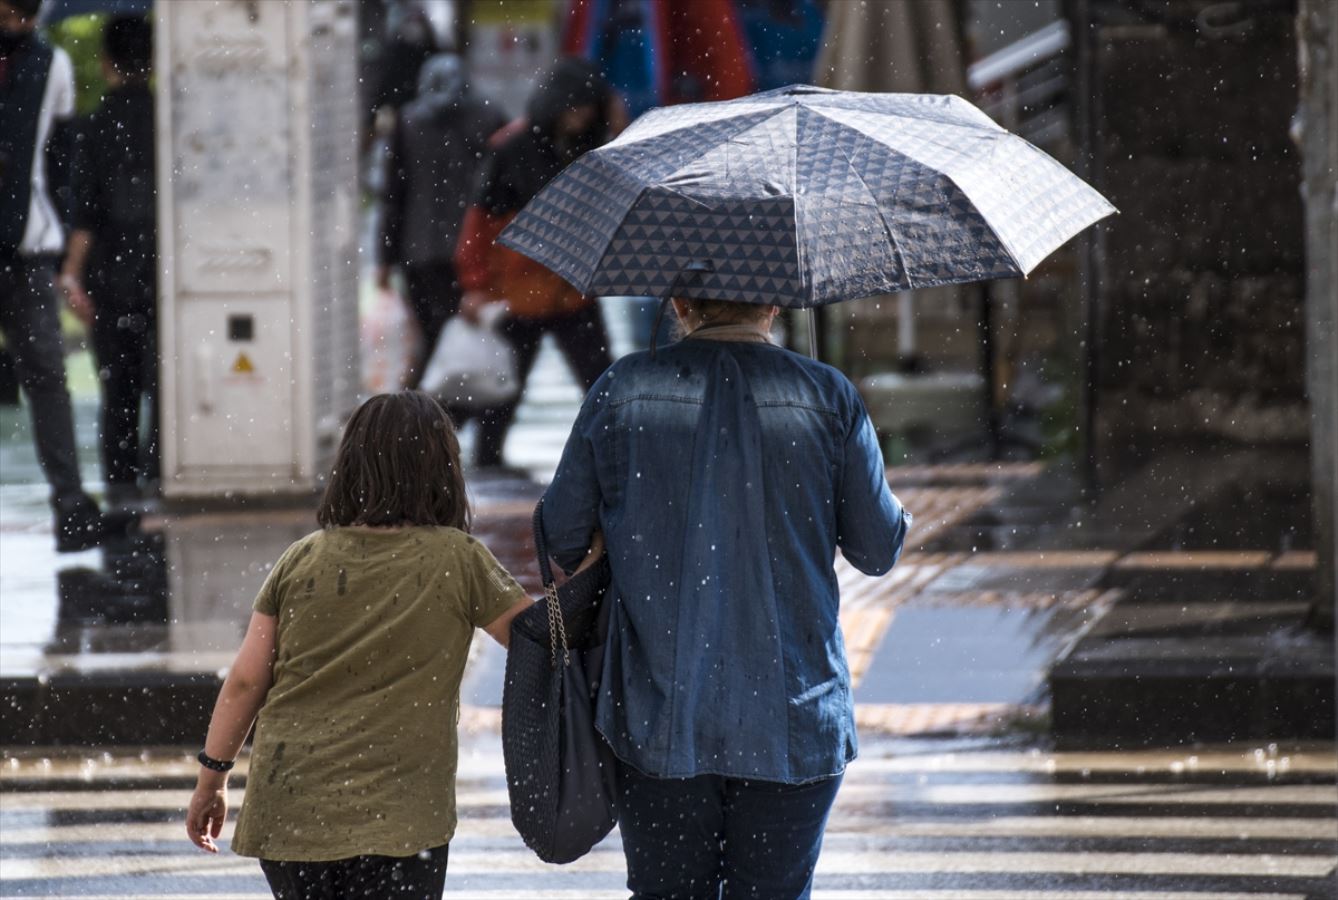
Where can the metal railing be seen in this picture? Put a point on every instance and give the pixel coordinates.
(1025, 86)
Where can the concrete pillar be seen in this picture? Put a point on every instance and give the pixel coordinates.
(1317, 31)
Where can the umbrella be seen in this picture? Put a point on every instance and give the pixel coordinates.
(803, 196)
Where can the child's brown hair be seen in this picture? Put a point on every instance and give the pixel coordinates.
(398, 464)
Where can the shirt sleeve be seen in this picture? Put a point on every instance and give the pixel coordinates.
(573, 498)
(271, 592)
(492, 589)
(871, 522)
(62, 80)
(474, 249)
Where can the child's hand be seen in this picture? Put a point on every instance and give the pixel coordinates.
(594, 553)
(205, 816)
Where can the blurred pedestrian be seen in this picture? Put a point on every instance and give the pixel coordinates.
(724, 473)
(432, 166)
(114, 243)
(571, 111)
(410, 43)
(351, 669)
(36, 97)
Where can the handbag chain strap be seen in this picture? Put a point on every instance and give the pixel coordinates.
(557, 626)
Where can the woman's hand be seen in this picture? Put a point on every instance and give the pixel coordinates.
(76, 297)
(205, 816)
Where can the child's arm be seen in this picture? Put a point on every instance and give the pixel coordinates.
(500, 628)
(239, 701)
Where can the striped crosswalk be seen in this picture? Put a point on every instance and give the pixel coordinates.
(915, 820)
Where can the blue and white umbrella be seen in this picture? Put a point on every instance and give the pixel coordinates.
(803, 196)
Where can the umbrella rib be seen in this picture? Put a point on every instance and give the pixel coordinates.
(891, 236)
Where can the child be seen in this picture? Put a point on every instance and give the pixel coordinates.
(353, 661)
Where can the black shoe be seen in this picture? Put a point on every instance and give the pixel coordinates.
(80, 525)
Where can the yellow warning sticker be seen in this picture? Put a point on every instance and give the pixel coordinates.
(242, 366)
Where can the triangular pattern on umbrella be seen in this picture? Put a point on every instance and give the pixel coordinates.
(750, 244)
(595, 192)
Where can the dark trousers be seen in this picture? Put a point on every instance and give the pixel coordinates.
(30, 321)
(584, 343)
(713, 837)
(420, 877)
(434, 296)
(125, 344)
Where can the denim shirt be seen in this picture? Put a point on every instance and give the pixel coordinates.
(724, 476)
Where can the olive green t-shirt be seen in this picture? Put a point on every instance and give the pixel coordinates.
(355, 745)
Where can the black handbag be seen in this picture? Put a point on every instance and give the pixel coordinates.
(560, 774)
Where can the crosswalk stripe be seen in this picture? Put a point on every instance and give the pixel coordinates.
(1293, 760)
(546, 894)
(851, 792)
(817, 895)
(981, 794)
(1112, 827)
(474, 766)
(608, 860)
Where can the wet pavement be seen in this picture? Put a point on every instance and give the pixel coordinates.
(915, 819)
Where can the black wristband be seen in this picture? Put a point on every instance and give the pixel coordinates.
(218, 765)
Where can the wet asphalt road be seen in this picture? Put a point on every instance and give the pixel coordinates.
(915, 820)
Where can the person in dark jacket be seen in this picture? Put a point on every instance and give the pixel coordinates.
(432, 165)
(409, 44)
(114, 244)
(36, 96)
(571, 111)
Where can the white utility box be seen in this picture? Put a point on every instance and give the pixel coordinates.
(257, 149)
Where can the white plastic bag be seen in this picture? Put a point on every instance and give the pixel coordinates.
(389, 339)
(472, 366)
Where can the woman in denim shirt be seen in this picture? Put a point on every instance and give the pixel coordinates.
(724, 472)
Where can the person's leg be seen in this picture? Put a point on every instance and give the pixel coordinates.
(418, 877)
(773, 833)
(30, 320)
(671, 830)
(434, 296)
(114, 348)
(306, 880)
(584, 342)
(150, 457)
(494, 422)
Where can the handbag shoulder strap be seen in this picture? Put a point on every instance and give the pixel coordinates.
(557, 625)
(541, 545)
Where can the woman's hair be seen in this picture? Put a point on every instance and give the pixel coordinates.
(398, 464)
(720, 312)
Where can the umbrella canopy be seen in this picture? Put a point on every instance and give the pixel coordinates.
(803, 196)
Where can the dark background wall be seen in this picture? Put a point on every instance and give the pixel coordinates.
(1200, 294)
